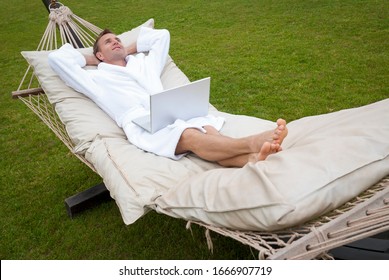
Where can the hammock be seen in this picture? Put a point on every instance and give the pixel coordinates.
(71, 29)
(365, 215)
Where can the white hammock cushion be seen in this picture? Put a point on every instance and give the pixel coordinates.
(326, 161)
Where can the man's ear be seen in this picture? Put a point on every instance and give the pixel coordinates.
(100, 56)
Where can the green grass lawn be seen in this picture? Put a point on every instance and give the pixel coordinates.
(267, 59)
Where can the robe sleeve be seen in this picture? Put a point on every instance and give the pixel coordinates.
(68, 63)
(157, 43)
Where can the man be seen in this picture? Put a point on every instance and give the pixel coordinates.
(124, 79)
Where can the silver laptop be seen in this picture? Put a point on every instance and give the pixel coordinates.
(183, 102)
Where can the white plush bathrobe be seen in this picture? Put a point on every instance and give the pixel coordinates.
(123, 92)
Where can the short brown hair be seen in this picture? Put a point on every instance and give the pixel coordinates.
(102, 33)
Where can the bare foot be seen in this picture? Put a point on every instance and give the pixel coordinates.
(275, 136)
(280, 132)
(266, 150)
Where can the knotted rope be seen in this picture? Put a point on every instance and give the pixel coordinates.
(71, 28)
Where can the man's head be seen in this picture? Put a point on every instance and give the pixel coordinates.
(108, 48)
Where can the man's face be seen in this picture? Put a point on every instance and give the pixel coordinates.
(111, 49)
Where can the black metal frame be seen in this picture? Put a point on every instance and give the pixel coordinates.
(87, 199)
(370, 248)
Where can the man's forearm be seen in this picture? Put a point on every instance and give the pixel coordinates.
(131, 48)
(91, 60)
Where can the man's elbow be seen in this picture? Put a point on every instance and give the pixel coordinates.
(166, 36)
(164, 33)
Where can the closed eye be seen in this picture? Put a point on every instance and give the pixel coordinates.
(109, 40)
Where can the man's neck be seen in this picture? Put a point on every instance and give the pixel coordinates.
(120, 62)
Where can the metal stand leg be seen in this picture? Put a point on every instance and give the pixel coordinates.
(87, 199)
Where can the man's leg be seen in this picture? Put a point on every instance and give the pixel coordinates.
(241, 160)
(229, 151)
(267, 148)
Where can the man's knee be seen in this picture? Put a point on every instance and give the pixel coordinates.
(184, 144)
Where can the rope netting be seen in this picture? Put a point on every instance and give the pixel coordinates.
(71, 29)
(365, 215)
(63, 27)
